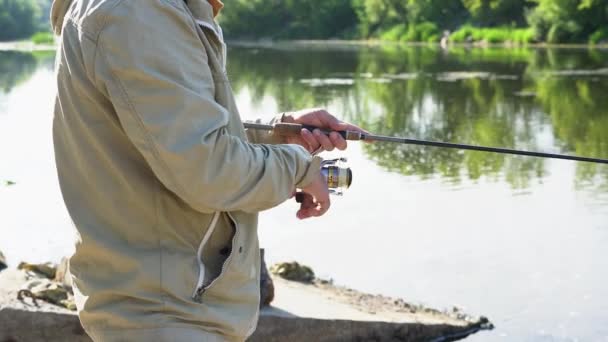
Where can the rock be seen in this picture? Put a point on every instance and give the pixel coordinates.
(293, 271)
(62, 275)
(2, 261)
(266, 284)
(300, 313)
(48, 291)
(47, 270)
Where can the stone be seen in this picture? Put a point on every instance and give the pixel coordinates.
(266, 284)
(293, 271)
(48, 291)
(300, 313)
(2, 262)
(62, 275)
(47, 270)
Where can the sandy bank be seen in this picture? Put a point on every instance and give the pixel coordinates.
(300, 312)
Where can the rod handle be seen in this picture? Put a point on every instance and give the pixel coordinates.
(292, 129)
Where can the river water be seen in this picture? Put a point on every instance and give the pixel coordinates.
(523, 241)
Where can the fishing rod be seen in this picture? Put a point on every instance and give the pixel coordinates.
(340, 177)
(290, 129)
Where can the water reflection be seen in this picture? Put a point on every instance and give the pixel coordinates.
(17, 67)
(549, 100)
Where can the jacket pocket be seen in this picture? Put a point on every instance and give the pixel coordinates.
(203, 284)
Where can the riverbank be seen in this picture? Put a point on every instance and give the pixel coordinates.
(376, 43)
(27, 46)
(318, 311)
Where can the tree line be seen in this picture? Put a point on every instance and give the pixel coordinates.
(21, 18)
(520, 21)
(553, 21)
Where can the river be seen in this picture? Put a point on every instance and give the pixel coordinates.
(521, 240)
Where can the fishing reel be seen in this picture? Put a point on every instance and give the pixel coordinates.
(338, 176)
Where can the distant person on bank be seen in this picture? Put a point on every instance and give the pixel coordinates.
(159, 176)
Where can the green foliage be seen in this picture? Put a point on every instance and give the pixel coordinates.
(494, 21)
(18, 18)
(599, 36)
(523, 91)
(280, 19)
(21, 18)
(493, 35)
(566, 21)
(523, 36)
(396, 33)
(423, 32)
(497, 12)
(43, 38)
(15, 67)
(463, 34)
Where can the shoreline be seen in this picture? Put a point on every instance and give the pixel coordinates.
(376, 43)
(299, 311)
(28, 46)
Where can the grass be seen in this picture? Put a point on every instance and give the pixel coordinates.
(494, 35)
(422, 32)
(43, 38)
(599, 36)
(430, 33)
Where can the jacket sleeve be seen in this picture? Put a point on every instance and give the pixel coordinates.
(265, 137)
(155, 71)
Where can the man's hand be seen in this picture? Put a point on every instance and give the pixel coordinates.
(315, 200)
(316, 141)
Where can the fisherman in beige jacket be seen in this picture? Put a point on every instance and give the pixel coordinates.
(159, 176)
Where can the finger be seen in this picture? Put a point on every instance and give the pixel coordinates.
(323, 207)
(318, 210)
(323, 140)
(308, 212)
(328, 120)
(307, 206)
(338, 141)
(301, 198)
(308, 137)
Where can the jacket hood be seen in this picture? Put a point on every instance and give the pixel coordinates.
(58, 11)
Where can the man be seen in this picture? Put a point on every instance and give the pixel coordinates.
(159, 176)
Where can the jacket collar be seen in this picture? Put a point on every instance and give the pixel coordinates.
(58, 11)
(202, 11)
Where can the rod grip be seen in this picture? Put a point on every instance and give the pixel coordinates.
(292, 129)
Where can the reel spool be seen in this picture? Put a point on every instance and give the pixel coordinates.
(339, 177)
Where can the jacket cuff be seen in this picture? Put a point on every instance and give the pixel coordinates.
(277, 139)
(266, 137)
(314, 169)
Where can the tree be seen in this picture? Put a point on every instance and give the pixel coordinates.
(18, 18)
(289, 19)
(497, 12)
(558, 21)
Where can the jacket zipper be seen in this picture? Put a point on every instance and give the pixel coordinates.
(201, 288)
(201, 266)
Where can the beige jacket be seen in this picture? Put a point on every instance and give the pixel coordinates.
(157, 172)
